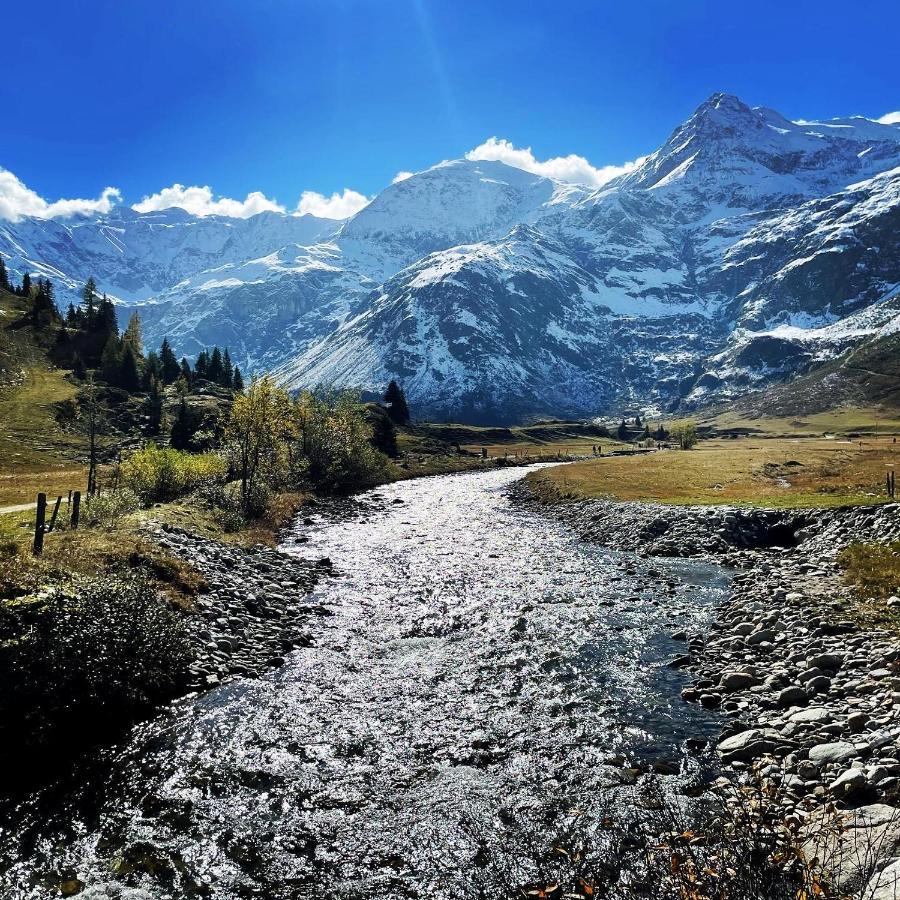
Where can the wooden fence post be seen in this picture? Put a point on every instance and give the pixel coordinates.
(40, 516)
(76, 509)
(55, 511)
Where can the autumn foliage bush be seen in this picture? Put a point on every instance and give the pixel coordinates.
(158, 474)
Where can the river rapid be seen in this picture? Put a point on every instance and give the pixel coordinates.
(480, 666)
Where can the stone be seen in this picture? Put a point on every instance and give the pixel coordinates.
(834, 752)
(848, 783)
(749, 744)
(814, 714)
(792, 696)
(857, 721)
(831, 661)
(736, 681)
(821, 684)
(763, 636)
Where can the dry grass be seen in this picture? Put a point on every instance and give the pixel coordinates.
(873, 569)
(750, 471)
(841, 421)
(94, 551)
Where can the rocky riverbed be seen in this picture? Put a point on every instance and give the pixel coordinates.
(811, 688)
(256, 608)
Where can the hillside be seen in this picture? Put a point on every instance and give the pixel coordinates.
(852, 393)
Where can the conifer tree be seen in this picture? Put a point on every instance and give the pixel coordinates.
(169, 364)
(43, 309)
(215, 371)
(4, 275)
(71, 317)
(182, 430)
(106, 321)
(152, 370)
(227, 370)
(185, 367)
(237, 381)
(25, 290)
(130, 372)
(78, 368)
(202, 364)
(111, 360)
(154, 405)
(89, 302)
(396, 402)
(622, 431)
(133, 337)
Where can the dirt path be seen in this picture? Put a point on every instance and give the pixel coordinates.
(19, 507)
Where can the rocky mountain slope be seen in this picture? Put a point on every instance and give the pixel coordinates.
(745, 249)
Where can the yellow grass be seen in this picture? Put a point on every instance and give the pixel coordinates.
(749, 471)
(841, 421)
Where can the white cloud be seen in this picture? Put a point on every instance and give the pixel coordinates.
(337, 206)
(402, 176)
(892, 118)
(200, 202)
(572, 169)
(17, 200)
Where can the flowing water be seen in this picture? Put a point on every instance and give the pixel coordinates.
(479, 664)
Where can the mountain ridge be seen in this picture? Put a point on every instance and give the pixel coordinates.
(714, 267)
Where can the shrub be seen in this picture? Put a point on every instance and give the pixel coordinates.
(157, 474)
(98, 652)
(337, 442)
(106, 509)
(685, 434)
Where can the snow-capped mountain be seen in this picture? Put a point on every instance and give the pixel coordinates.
(744, 248)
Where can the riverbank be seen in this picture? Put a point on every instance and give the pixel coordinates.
(806, 669)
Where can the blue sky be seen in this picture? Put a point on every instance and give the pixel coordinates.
(286, 96)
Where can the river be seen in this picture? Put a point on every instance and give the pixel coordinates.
(479, 666)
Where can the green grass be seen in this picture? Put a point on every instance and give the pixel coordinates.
(36, 454)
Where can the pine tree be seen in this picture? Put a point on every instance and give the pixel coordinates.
(153, 405)
(106, 321)
(4, 275)
(43, 311)
(133, 337)
(237, 381)
(111, 360)
(182, 430)
(185, 368)
(227, 379)
(637, 422)
(152, 370)
(25, 290)
(215, 371)
(89, 302)
(168, 362)
(130, 371)
(71, 317)
(396, 403)
(622, 431)
(201, 366)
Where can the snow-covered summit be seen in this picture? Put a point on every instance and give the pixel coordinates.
(746, 156)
